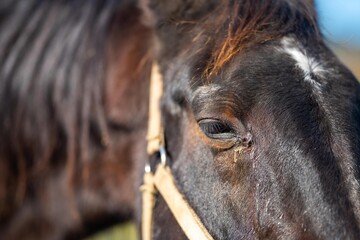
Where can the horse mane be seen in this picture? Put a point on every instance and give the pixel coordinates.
(52, 68)
(251, 22)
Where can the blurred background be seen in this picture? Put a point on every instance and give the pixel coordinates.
(340, 24)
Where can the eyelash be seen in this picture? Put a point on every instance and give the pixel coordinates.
(215, 128)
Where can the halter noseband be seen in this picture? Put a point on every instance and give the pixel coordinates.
(162, 180)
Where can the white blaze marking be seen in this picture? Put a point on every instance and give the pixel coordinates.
(206, 91)
(307, 64)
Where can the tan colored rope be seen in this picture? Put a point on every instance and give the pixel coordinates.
(183, 213)
(148, 203)
(154, 136)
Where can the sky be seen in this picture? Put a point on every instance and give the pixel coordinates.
(340, 20)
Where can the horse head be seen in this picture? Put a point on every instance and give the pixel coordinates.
(261, 120)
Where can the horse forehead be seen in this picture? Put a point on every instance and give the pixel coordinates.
(289, 52)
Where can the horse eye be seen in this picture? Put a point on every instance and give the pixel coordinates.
(216, 129)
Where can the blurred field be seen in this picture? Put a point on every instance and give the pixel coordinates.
(121, 232)
(350, 57)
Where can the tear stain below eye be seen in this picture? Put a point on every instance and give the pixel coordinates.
(240, 151)
(244, 147)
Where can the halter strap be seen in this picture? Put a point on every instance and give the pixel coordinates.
(163, 180)
(186, 217)
(155, 134)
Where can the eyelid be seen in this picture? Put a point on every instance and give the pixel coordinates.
(212, 119)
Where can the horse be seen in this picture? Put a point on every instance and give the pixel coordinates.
(260, 119)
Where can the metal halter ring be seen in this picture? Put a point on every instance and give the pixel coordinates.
(147, 167)
(163, 159)
(163, 155)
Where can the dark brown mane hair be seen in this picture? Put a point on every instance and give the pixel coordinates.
(251, 22)
(73, 92)
(52, 67)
